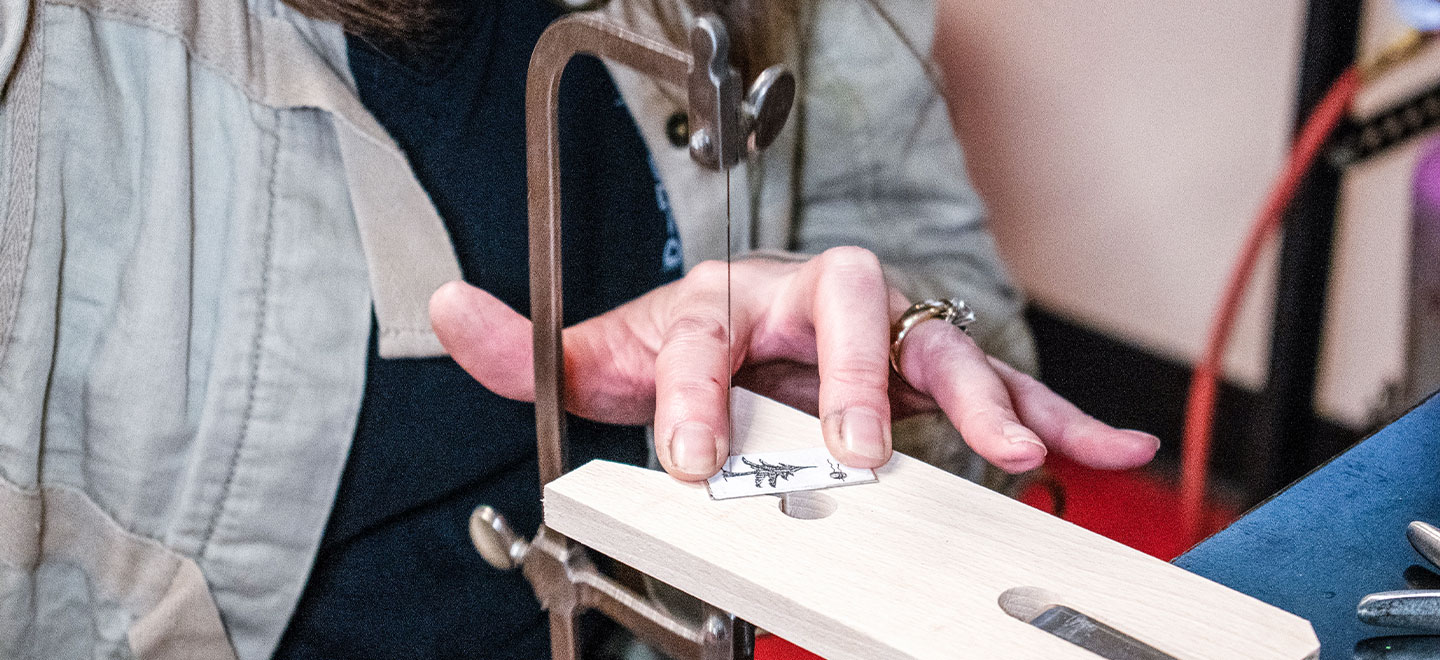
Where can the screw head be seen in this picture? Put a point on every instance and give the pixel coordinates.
(702, 148)
(767, 106)
(499, 545)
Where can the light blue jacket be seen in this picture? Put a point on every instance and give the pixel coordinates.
(197, 216)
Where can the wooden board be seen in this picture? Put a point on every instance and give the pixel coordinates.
(914, 566)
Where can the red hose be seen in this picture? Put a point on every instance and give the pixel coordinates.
(1200, 409)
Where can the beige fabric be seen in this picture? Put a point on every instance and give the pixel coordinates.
(406, 246)
(22, 91)
(177, 619)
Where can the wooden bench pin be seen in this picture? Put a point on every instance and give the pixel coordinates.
(920, 564)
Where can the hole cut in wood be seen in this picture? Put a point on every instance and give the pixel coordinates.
(808, 505)
(1042, 609)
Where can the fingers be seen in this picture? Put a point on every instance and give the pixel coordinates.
(692, 378)
(850, 313)
(487, 338)
(607, 369)
(691, 398)
(693, 375)
(1069, 430)
(943, 362)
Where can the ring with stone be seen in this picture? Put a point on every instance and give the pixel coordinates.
(951, 310)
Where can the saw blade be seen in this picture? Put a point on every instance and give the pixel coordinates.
(729, 307)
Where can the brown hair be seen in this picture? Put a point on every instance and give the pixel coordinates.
(759, 28)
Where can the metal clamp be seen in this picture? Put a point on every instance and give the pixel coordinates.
(568, 583)
(723, 127)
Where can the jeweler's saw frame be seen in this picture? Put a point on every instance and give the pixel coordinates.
(724, 127)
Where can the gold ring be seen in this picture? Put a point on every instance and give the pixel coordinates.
(952, 311)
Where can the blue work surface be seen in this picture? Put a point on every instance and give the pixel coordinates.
(1339, 534)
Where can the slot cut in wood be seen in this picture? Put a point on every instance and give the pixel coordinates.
(1043, 610)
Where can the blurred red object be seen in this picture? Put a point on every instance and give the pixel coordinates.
(771, 647)
(1139, 508)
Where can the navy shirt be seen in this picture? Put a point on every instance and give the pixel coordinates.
(396, 575)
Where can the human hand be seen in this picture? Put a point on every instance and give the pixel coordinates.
(815, 334)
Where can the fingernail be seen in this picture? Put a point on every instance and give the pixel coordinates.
(692, 448)
(1152, 438)
(862, 434)
(1017, 434)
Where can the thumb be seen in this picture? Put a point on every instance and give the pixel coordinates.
(486, 338)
